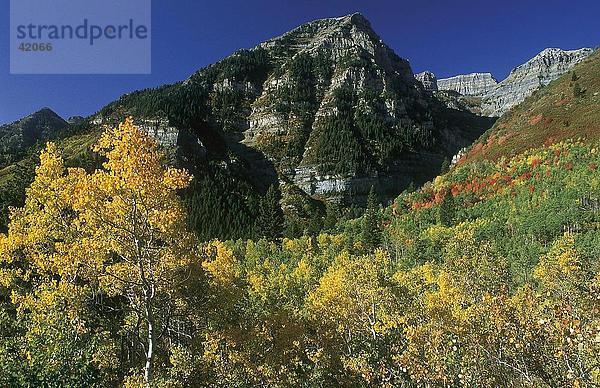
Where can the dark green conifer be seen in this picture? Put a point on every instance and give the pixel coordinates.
(269, 223)
(370, 234)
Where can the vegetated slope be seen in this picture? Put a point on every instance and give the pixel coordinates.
(504, 259)
(17, 137)
(566, 108)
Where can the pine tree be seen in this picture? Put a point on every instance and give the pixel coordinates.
(269, 223)
(332, 216)
(447, 210)
(371, 234)
(574, 77)
(445, 166)
(577, 91)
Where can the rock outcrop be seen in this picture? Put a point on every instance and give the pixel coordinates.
(474, 84)
(429, 81)
(530, 76)
(493, 98)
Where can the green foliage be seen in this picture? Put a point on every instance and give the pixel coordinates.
(577, 91)
(371, 234)
(447, 210)
(489, 270)
(220, 205)
(269, 223)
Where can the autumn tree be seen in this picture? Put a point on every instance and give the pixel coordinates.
(357, 318)
(121, 229)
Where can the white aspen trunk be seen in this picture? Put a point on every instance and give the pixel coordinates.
(148, 370)
(149, 355)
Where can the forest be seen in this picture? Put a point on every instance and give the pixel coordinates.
(486, 276)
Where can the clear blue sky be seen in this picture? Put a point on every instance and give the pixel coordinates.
(447, 37)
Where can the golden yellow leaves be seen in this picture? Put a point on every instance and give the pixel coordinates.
(176, 179)
(561, 263)
(107, 222)
(221, 263)
(352, 296)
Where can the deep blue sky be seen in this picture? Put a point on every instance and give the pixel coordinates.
(446, 37)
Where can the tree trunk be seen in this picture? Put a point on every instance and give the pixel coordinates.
(149, 355)
(148, 370)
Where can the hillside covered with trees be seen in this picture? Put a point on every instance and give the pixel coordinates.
(487, 276)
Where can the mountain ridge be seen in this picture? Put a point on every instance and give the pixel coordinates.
(497, 97)
(564, 109)
(18, 136)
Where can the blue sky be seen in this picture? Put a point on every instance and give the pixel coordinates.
(446, 37)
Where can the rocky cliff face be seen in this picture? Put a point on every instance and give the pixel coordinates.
(475, 84)
(429, 81)
(494, 98)
(327, 107)
(530, 76)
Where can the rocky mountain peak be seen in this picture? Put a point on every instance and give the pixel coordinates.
(44, 114)
(357, 19)
(344, 38)
(495, 98)
(327, 107)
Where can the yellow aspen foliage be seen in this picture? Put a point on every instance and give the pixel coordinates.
(221, 263)
(122, 228)
(354, 307)
(561, 270)
(434, 326)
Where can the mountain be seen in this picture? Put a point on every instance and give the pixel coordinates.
(20, 144)
(17, 137)
(566, 108)
(327, 107)
(496, 98)
(322, 113)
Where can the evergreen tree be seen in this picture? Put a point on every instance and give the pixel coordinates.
(269, 223)
(577, 91)
(332, 216)
(445, 166)
(447, 210)
(370, 233)
(293, 226)
(315, 224)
